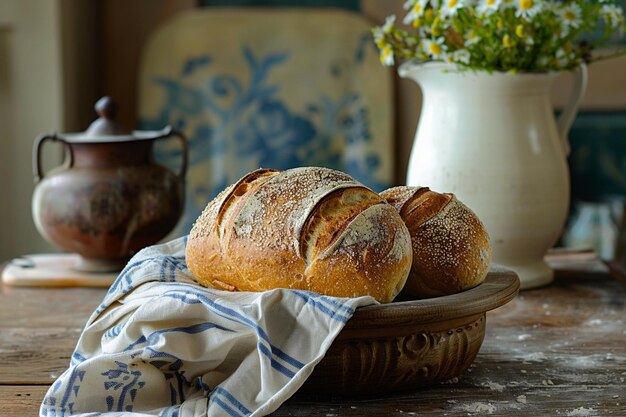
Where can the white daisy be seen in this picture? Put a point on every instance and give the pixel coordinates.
(379, 35)
(451, 7)
(507, 4)
(471, 38)
(389, 22)
(613, 15)
(416, 12)
(386, 56)
(461, 55)
(528, 8)
(564, 57)
(552, 6)
(570, 15)
(544, 61)
(380, 31)
(488, 7)
(411, 42)
(435, 48)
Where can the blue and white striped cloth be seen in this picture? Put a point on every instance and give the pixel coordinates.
(160, 344)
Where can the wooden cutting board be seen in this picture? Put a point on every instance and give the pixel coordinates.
(53, 270)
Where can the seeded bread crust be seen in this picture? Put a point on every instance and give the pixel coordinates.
(451, 248)
(310, 228)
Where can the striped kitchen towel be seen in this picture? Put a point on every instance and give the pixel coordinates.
(160, 344)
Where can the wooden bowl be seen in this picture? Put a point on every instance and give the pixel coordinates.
(411, 344)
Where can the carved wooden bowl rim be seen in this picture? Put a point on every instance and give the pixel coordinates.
(499, 287)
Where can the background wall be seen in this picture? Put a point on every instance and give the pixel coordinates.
(47, 71)
(30, 103)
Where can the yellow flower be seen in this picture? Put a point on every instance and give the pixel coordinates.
(519, 31)
(506, 41)
(434, 29)
(417, 23)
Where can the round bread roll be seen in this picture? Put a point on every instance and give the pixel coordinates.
(310, 228)
(451, 249)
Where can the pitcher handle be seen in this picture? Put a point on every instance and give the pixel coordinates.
(565, 120)
(169, 131)
(38, 146)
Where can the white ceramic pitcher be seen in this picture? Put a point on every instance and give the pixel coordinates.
(492, 139)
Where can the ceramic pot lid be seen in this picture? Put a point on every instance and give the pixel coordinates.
(105, 129)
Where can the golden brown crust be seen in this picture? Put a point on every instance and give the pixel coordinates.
(371, 256)
(207, 260)
(331, 216)
(451, 248)
(308, 228)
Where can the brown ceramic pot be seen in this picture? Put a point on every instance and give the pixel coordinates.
(109, 199)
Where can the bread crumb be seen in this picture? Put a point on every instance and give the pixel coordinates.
(479, 407)
(535, 357)
(547, 382)
(524, 371)
(454, 380)
(582, 412)
(494, 386)
(521, 399)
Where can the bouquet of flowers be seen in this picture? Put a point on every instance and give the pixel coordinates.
(502, 35)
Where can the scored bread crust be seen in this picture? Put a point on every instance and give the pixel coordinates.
(451, 248)
(308, 228)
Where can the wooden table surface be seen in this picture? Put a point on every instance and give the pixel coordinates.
(554, 351)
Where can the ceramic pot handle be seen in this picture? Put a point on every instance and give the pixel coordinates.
(564, 123)
(38, 146)
(168, 131)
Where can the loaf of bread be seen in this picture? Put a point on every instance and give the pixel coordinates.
(451, 249)
(313, 229)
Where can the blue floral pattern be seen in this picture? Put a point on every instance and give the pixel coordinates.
(124, 381)
(234, 126)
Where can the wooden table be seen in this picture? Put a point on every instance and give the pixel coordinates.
(555, 351)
